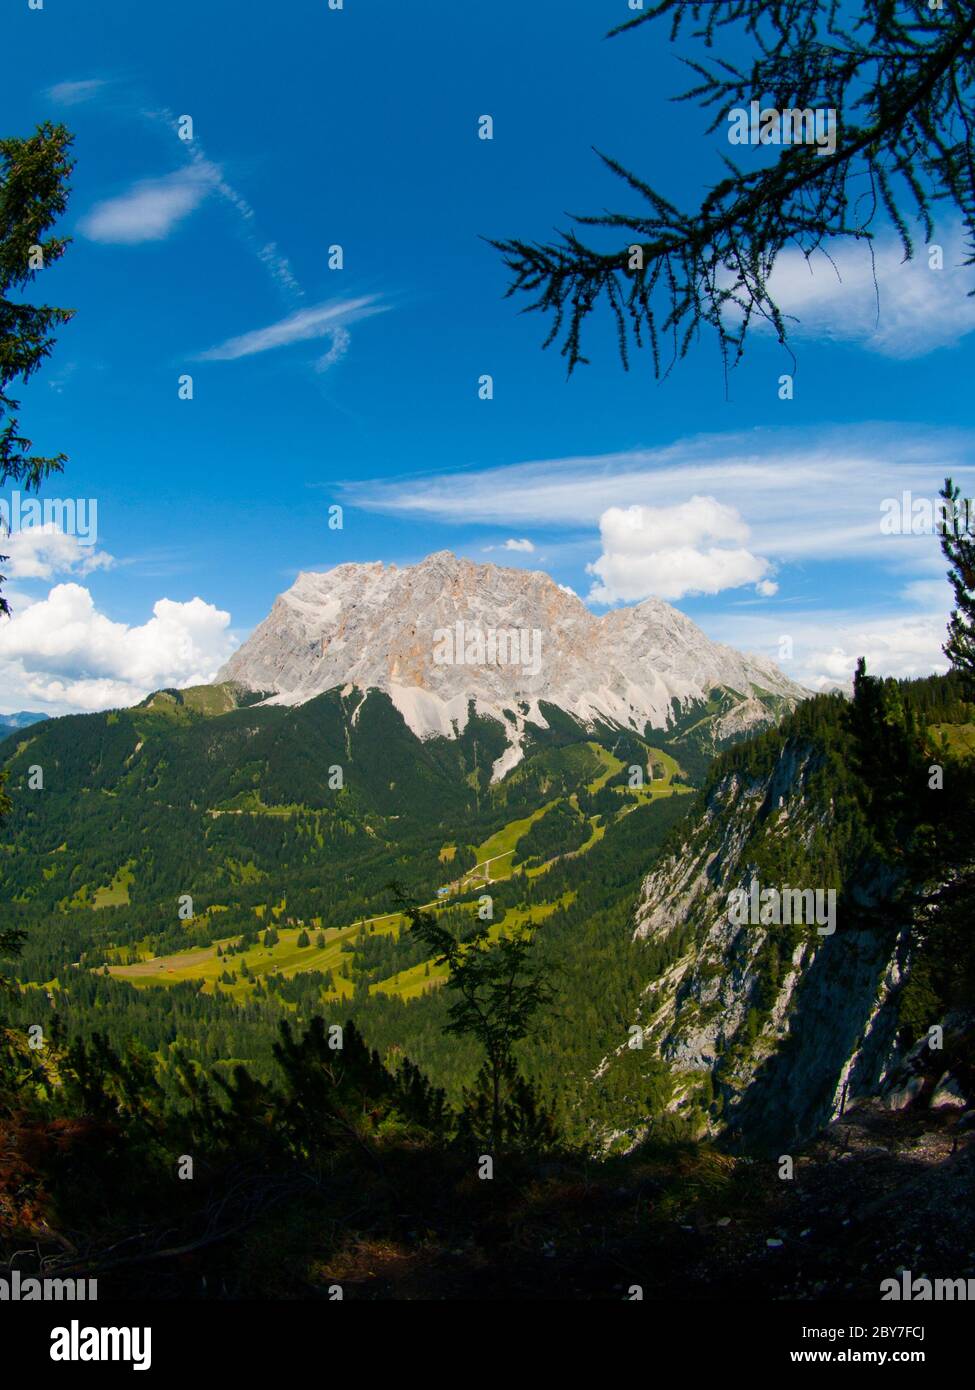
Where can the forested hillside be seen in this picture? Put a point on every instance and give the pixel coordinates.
(220, 879)
(769, 1027)
(330, 1160)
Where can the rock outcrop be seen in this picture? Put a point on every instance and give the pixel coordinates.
(446, 635)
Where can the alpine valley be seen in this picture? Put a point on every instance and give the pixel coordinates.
(193, 872)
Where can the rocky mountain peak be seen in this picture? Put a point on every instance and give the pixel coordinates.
(440, 634)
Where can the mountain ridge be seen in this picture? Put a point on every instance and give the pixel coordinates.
(21, 719)
(440, 634)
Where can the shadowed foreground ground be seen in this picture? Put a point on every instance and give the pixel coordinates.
(876, 1192)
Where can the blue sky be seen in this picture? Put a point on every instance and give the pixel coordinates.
(314, 127)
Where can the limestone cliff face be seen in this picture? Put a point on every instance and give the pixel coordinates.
(376, 626)
(768, 1029)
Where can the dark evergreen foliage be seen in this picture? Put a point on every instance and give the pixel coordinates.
(34, 175)
(900, 78)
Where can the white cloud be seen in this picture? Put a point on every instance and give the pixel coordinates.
(341, 338)
(58, 382)
(151, 208)
(911, 310)
(903, 647)
(820, 649)
(805, 494)
(807, 497)
(317, 322)
(268, 254)
(74, 93)
(660, 551)
(25, 690)
(61, 652)
(928, 593)
(280, 269)
(512, 544)
(41, 552)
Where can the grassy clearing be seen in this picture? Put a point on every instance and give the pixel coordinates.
(496, 857)
(208, 700)
(116, 894)
(408, 984)
(113, 894)
(503, 841)
(611, 764)
(959, 739)
(286, 958)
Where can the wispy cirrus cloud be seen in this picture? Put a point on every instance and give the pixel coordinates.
(151, 208)
(322, 320)
(711, 514)
(74, 93)
(154, 207)
(897, 308)
(833, 478)
(273, 260)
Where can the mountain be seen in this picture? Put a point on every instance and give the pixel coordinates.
(20, 720)
(770, 1028)
(446, 636)
(339, 755)
(319, 805)
(169, 839)
(206, 864)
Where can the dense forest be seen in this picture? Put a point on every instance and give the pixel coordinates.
(269, 877)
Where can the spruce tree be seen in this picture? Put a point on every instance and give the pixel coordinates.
(34, 187)
(11, 938)
(498, 992)
(958, 546)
